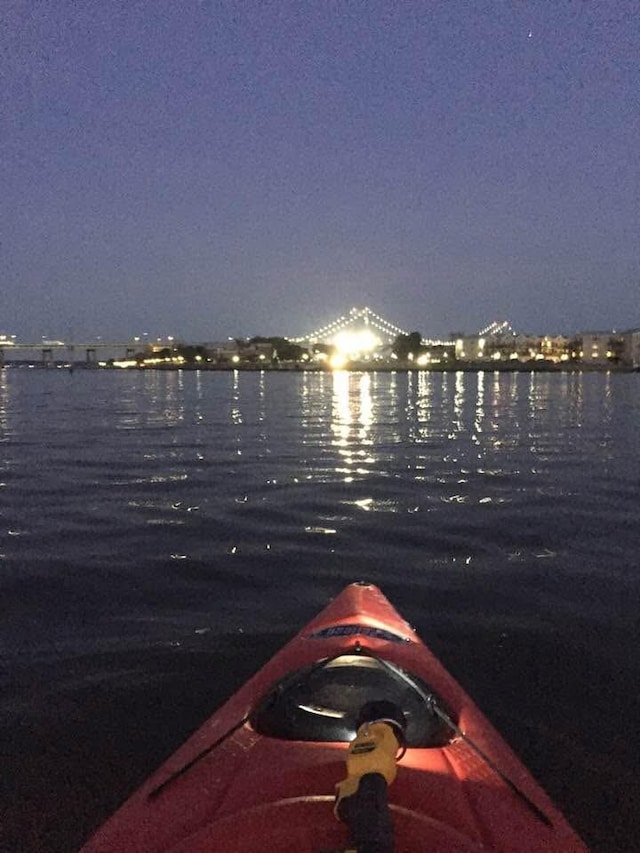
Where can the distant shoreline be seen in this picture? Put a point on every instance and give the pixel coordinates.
(354, 368)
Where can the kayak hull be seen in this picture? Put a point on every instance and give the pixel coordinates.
(231, 787)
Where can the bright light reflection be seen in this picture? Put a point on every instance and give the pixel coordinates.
(4, 401)
(341, 408)
(458, 401)
(353, 416)
(479, 407)
(366, 405)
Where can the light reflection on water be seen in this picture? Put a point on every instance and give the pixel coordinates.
(4, 401)
(354, 425)
(353, 417)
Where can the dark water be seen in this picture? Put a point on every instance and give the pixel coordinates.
(162, 534)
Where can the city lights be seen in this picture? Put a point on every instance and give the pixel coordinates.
(357, 340)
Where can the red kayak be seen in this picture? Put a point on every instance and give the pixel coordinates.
(261, 773)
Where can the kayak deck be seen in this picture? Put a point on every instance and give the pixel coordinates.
(261, 772)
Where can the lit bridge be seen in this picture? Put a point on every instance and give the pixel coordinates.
(361, 320)
(498, 328)
(357, 320)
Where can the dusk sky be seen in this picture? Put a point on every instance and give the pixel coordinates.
(207, 169)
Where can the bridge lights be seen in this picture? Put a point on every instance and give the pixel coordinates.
(355, 343)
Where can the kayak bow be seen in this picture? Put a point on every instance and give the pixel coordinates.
(261, 773)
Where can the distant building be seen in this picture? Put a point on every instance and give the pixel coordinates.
(239, 351)
(599, 348)
(224, 352)
(50, 353)
(258, 351)
(470, 348)
(631, 348)
(438, 353)
(549, 348)
(512, 347)
(555, 348)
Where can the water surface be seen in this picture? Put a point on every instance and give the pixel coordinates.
(163, 533)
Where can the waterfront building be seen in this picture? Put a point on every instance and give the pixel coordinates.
(470, 348)
(555, 348)
(238, 351)
(436, 353)
(631, 348)
(525, 348)
(224, 352)
(256, 352)
(55, 353)
(512, 347)
(598, 348)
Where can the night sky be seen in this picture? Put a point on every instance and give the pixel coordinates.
(207, 169)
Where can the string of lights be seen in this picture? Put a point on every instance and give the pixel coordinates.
(498, 327)
(367, 317)
(355, 316)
